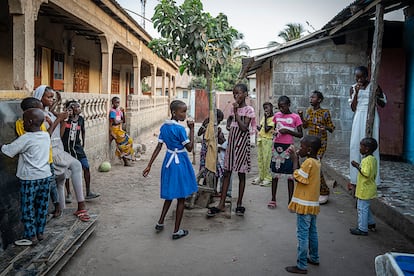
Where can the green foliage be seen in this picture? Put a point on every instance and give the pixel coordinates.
(201, 42)
(292, 31)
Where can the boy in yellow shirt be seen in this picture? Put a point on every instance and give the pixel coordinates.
(366, 188)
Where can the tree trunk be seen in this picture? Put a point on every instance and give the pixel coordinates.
(375, 64)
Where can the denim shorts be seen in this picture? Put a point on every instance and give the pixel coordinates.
(84, 162)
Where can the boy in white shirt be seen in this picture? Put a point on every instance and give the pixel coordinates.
(33, 172)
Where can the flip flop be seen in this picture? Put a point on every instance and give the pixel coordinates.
(240, 210)
(80, 212)
(179, 234)
(92, 195)
(84, 217)
(159, 227)
(213, 211)
(23, 242)
(271, 204)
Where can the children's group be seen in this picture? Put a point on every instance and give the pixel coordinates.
(51, 154)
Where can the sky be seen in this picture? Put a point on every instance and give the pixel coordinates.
(260, 21)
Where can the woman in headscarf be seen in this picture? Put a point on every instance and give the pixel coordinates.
(65, 164)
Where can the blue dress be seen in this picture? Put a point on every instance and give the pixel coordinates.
(177, 174)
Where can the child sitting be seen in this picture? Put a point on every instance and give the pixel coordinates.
(305, 202)
(33, 172)
(366, 188)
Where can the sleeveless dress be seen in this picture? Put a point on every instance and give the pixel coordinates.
(358, 132)
(237, 158)
(177, 174)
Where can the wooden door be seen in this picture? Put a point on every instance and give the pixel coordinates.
(392, 81)
(81, 76)
(201, 105)
(116, 76)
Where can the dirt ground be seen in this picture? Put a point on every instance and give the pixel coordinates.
(262, 242)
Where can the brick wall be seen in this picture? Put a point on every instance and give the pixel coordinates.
(328, 68)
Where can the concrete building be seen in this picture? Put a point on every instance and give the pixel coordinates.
(325, 60)
(89, 50)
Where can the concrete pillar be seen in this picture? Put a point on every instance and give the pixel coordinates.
(175, 87)
(107, 48)
(169, 86)
(24, 16)
(136, 65)
(153, 79)
(163, 83)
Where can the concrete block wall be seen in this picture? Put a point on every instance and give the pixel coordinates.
(328, 68)
(10, 226)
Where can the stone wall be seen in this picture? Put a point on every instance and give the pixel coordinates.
(10, 226)
(328, 68)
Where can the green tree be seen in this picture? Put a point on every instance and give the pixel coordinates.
(292, 31)
(201, 42)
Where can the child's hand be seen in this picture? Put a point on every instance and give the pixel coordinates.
(292, 152)
(146, 171)
(48, 120)
(284, 131)
(58, 97)
(355, 164)
(63, 115)
(235, 106)
(300, 113)
(190, 123)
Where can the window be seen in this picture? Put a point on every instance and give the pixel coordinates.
(58, 63)
(185, 94)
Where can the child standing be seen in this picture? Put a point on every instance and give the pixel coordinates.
(305, 203)
(124, 143)
(33, 172)
(264, 146)
(318, 121)
(366, 188)
(177, 173)
(74, 127)
(203, 152)
(27, 103)
(287, 126)
(237, 157)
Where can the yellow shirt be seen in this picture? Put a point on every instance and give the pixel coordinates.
(20, 131)
(366, 187)
(305, 200)
(262, 132)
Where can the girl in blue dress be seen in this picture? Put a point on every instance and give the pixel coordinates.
(177, 174)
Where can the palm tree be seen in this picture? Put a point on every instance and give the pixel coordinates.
(292, 31)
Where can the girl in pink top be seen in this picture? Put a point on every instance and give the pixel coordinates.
(287, 126)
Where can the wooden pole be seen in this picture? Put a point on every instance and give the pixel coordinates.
(375, 64)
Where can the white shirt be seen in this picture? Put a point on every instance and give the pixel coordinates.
(33, 149)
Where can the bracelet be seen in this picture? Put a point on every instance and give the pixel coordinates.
(202, 126)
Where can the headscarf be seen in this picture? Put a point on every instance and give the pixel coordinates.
(40, 90)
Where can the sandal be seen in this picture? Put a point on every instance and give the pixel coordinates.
(159, 227)
(92, 195)
(23, 242)
(179, 234)
(213, 211)
(240, 210)
(271, 204)
(82, 215)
